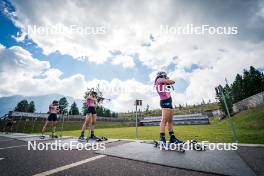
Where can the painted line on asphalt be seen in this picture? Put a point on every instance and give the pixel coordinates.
(1, 159)
(16, 146)
(251, 145)
(62, 168)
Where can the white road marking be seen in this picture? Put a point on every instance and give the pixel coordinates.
(251, 145)
(59, 169)
(1, 159)
(13, 147)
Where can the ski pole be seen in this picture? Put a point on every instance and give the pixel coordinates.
(25, 124)
(62, 125)
(33, 126)
(18, 125)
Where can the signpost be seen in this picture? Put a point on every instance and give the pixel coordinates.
(137, 103)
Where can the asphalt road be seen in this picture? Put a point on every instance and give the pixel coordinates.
(16, 159)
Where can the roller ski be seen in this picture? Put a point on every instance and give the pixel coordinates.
(173, 145)
(54, 136)
(169, 146)
(96, 139)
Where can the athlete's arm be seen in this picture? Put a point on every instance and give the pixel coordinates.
(56, 109)
(168, 81)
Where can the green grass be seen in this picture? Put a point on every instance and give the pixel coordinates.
(249, 125)
(177, 111)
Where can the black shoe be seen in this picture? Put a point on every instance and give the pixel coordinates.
(54, 136)
(163, 139)
(173, 139)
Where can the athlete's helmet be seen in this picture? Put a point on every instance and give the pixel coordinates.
(162, 74)
(55, 102)
(93, 93)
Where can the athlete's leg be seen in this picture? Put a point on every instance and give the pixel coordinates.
(86, 122)
(54, 123)
(163, 122)
(93, 124)
(170, 121)
(164, 119)
(44, 127)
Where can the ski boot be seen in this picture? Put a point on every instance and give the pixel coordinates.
(81, 138)
(54, 136)
(177, 142)
(92, 137)
(162, 142)
(173, 139)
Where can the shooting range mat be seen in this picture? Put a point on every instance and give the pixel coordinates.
(210, 161)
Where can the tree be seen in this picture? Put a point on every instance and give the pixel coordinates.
(255, 80)
(248, 84)
(107, 113)
(100, 111)
(228, 97)
(74, 110)
(31, 107)
(22, 106)
(147, 108)
(63, 105)
(180, 107)
(114, 114)
(237, 88)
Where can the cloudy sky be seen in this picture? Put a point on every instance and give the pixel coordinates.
(64, 46)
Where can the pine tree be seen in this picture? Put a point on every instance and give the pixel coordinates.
(74, 110)
(107, 113)
(31, 107)
(22, 106)
(63, 105)
(237, 88)
(228, 97)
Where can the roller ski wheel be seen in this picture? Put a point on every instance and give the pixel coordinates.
(42, 137)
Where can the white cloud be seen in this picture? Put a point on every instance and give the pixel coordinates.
(22, 74)
(125, 61)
